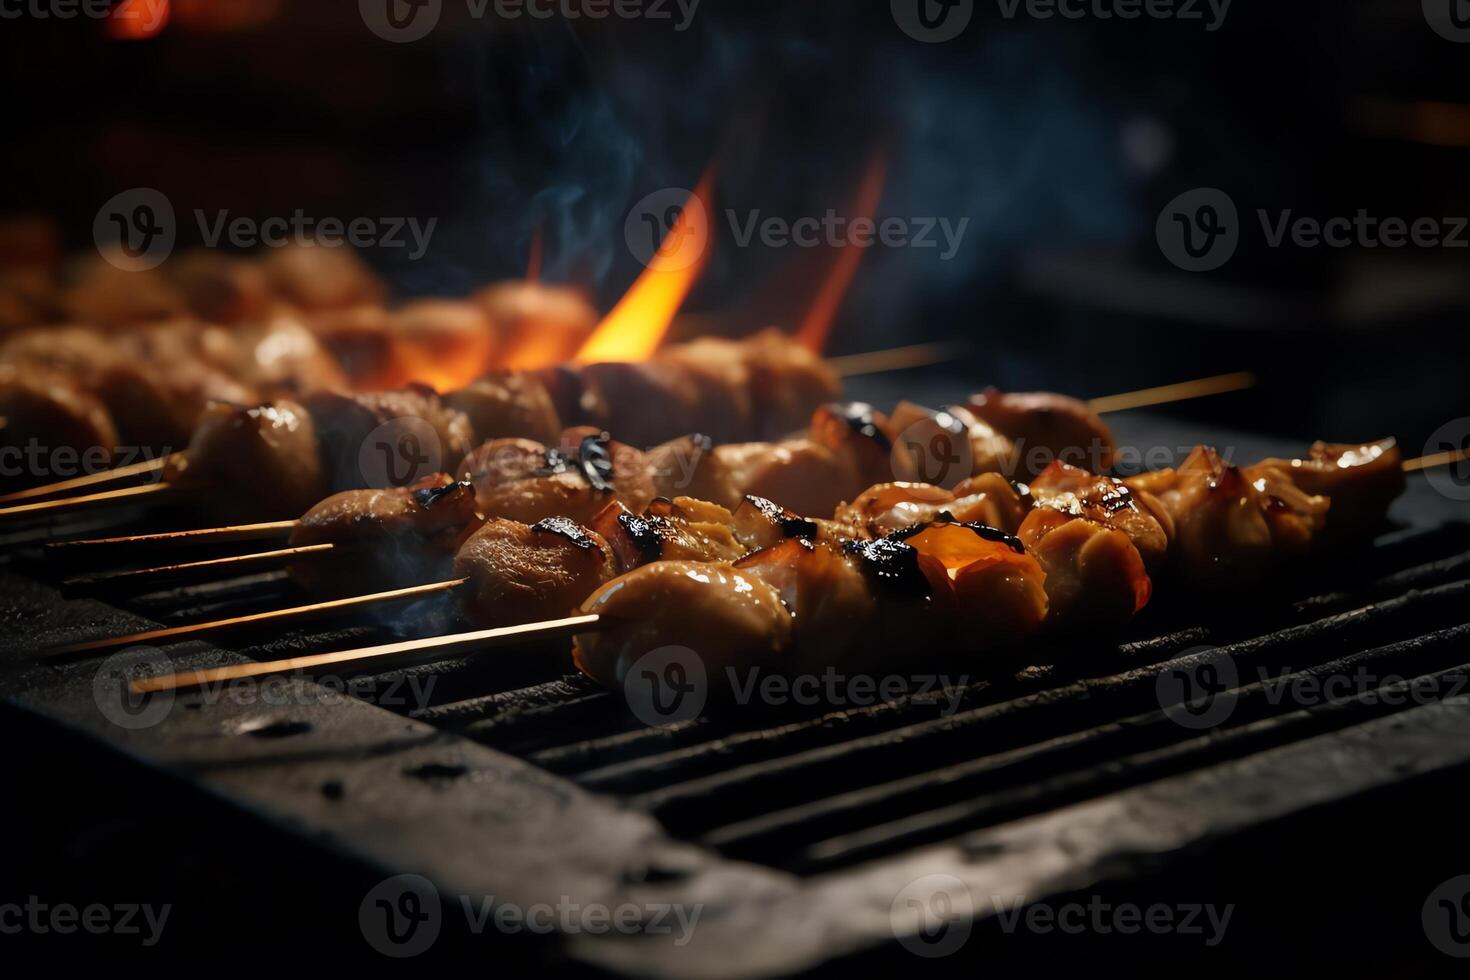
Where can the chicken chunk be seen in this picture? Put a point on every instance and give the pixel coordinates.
(1362, 480)
(524, 573)
(261, 463)
(389, 438)
(506, 404)
(728, 617)
(538, 323)
(385, 539)
(1050, 426)
(50, 429)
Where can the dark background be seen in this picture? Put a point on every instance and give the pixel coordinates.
(1061, 141)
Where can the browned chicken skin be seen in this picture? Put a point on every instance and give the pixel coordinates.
(385, 539)
(405, 434)
(259, 463)
(50, 429)
(520, 573)
(509, 405)
(1059, 427)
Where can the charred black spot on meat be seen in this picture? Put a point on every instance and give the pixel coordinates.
(791, 525)
(861, 419)
(430, 496)
(647, 533)
(892, 564)
(569, 529)
(981, 530)
(596, 462)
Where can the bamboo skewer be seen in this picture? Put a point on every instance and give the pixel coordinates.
(451, 641)
(292, 614)
(898, 357)
(232, 564)
(501, 636)
(91, 480)
(93, 500)
(1220, 384)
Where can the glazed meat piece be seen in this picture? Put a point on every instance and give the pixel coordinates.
(281, 356)
(949, 445)
(670, 530)
(507, 404)
(1094, 574)
(387, 438)
(320, 277)
(1362, 480)
(221, 288)
(1109, 502)
(539, 324)
(760, 523)
(446, 343)
(47, 414)
(982, 580)
(728, 618)
(262, 463)
(362, 341)
(524, 480)
(522, 574)
(103, 295)
(689, 466)
(1227, 533)
(800, 474)
(837, 615)
(646, 403)
(787, 380)
(385, 539)
(1057, 427)
(724, 409)
(861, 433)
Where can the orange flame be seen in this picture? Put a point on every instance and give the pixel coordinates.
(817, 325)
(637, 324)
(138, 20)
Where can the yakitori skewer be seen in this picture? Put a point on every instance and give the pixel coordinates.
(1044, 421)
(1129, 534)
(626, 620)
(100, 478)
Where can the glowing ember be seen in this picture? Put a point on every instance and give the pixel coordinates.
(138, 20)
(636, 326)
(817, 325)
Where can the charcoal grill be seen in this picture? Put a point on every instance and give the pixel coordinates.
(795, 830)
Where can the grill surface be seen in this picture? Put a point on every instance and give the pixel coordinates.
(797, 828)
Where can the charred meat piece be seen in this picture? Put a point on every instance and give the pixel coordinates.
(385, 539)
(984, 583)
(538, 324)
(508, 405)
(525, 481)
(321, 277)
(48, 414)
(1057, 427)
(949, 445)
(799, 473)
(861, 433)
(1106, 501)
(1362, 479)
(261, 463)
(523, 573)
(1094, 574)
(646, 403)
(690, 466)
(1228, 533)
(406, 435)
(670, 530)
(725, 616)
